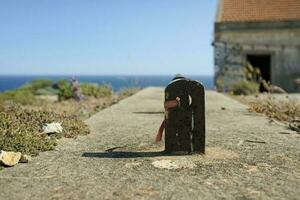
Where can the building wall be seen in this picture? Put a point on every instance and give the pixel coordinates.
(233, 42)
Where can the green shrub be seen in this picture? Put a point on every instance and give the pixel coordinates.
(96, 90)
(65, 90)
(35, 85)
(244, 88)
(20, 129)
(23, 97)
(47, 91)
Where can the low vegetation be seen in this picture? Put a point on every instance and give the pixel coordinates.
(35, 85)
(20, 129)
(95, 90)
(23, 113)
(64, 90)
(244, 88)
(285, 110)
(26, 94)
(251, 83)
(18, 96)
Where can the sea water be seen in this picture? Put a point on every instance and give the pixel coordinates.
(117, 82)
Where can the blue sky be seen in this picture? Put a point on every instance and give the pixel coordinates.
(101, 37)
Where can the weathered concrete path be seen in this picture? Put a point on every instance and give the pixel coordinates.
(247, 158)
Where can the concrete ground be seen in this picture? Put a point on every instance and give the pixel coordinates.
(247, 158)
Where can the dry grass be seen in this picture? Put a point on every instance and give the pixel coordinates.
(282, 108)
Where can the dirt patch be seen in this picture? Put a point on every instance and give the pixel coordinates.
(174, 164)
(191, 161)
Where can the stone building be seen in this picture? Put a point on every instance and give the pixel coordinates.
(264, 33)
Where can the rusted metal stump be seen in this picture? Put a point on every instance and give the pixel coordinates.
(185, 116)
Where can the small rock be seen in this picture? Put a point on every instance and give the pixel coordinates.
(25, 158)
(174, 164)
(9, 158)
(52, 128)
(223, 108)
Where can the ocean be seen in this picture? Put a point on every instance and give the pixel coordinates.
(9, 82)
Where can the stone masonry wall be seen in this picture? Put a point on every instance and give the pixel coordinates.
(233, 45)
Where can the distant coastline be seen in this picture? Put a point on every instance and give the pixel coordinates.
(9, 82)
